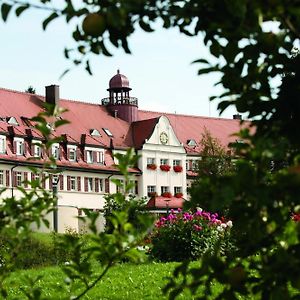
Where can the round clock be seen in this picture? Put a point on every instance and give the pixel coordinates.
(163, 138)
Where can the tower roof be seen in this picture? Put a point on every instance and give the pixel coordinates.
(119, 81)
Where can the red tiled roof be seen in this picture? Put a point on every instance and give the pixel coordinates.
(85, 116)
(163, 202)
(142, 130)
(191, 127)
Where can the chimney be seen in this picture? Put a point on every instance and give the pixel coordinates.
(52, 94)
(237, 117)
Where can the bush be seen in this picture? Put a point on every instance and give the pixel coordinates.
(34, 251)
(186, 235)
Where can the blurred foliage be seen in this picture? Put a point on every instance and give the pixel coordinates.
(254, 44)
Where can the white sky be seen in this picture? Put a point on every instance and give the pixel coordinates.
(159, 70)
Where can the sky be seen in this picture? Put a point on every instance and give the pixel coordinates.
(160, 69)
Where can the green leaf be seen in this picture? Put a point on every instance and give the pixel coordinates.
(49, 19)
(5, 9)
(145, 26)
(21, 9)
(201, 61)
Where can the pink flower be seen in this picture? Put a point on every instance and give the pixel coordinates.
(197, 227)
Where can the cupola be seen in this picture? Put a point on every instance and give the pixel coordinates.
(119, 103)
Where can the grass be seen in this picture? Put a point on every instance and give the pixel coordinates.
(124, 281)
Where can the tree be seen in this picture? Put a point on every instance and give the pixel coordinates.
(249, 56)
(215, 159)
(30, 90)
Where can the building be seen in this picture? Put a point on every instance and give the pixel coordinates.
(168, 145)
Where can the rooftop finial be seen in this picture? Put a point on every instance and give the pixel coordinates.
(118, 71)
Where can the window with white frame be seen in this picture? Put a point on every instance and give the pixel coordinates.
(164, 161)
(19, 147)
(72, 183)
(55, 151)
(194, 164)
(120, 186)
(90, 184)
(37, 151)
(177, 189)
(18, 179)
(1, 178)
(150, 161)
(2, 145)
(72, 154)
(100, 157)
(151, 189)
(89, 156)
(164, 189)
(176, 162)
(101, 184)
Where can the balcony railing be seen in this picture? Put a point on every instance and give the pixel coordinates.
(120, 101)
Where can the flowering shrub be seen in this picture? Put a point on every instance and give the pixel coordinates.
(296, 217)
(167, 194)
(177, 169)
(151, 166)
(178, 195)
(165, 168)
(187, 235)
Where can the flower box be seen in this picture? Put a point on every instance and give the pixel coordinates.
(178, 195)
(151, 166)
(167, 195)
(177, 169)
(165, 168)
(152, 194)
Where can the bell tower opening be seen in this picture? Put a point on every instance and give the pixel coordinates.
(119, 103)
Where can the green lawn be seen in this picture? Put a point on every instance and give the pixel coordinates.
(124, 281)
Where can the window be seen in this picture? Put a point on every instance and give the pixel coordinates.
(194, 164)
(2, 145)
(89, 156)
(72, 154)
(18, 179)
(150, 161)
(37, 151)
(191, 164)
(164, 189)
(107, 131)
(151, 188)
(191, 143)
(120, 186)
(72, 183)
(1, 177)
(19, 147)
(100, 157)
(164, 161)
(55, 151)
(100, 183)
(95, 132)
(90, 183)
(176, 162)
(177, 189)
(12, 121)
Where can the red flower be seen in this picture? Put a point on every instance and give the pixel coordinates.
(167, 195)
(177, 169)
(178, 195)
(165, 168)
(151, 166)
(296, 217)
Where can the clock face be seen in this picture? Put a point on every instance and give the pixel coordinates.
(163, 138)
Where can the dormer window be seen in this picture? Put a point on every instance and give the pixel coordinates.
(95, 132)
(72, 154)
(19, 147)
(37, 151)
(191, 143)
(2, 144)
(12, 121)
(107, 131)
(89, 156)
(55, 151)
